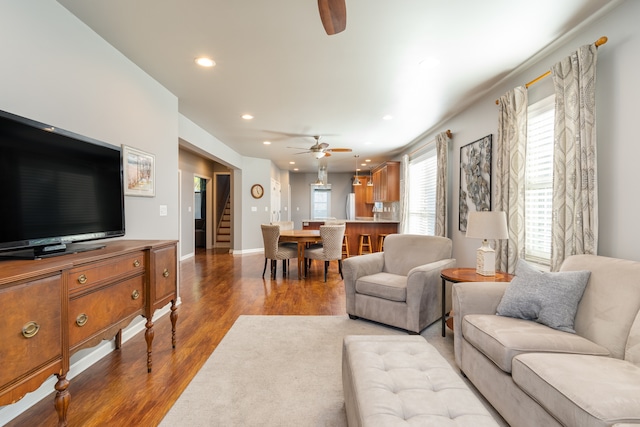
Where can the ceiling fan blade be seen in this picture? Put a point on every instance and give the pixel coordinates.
(322, 145)
(334, 15)
(339, 150)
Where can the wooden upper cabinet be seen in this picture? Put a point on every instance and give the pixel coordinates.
(364, 198)
(386, 182)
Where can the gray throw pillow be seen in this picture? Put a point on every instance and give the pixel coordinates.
(548, 298)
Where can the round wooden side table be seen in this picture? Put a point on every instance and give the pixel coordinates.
(457, 275)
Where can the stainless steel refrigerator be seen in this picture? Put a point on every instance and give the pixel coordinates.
(351, 206)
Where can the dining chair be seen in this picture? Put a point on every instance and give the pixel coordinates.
(286, 225)
(275, 251)
(331, 249)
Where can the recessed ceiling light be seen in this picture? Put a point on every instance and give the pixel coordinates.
(367, 160)
(388, 117)
(266, 142)
(363, 164)
(296, 169)
(203, 61)
(292, 163)
(247, 116)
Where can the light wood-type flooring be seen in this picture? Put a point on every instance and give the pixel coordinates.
(215, 288)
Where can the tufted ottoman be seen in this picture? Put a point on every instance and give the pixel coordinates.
(403, 380)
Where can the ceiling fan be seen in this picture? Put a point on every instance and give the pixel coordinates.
(321, 149)
(334, 15)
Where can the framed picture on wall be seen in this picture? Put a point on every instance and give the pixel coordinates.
(475, 179)
(139, 172)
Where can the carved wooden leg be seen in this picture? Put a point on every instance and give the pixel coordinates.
(174, 318)
(119, 339)
(62, 400)
(148, 336)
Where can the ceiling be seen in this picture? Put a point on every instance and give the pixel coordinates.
(275, 62)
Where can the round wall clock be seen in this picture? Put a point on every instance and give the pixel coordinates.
(257, 191)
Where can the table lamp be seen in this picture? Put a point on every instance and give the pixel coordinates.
(487, 225)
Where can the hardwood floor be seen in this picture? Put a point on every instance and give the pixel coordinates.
(215, 289)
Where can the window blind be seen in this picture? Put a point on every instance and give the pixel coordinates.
(539, 181)
(422, 192)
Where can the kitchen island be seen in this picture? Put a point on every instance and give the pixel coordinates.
(354, 228)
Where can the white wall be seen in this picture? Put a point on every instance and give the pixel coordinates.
(617, 93)
(57, 71)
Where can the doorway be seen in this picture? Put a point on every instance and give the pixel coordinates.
(223, 202)
(200, 211)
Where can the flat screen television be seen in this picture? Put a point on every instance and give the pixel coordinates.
(57, 188)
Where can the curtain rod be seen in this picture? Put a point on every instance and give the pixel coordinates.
(602, 40)
(449, 135)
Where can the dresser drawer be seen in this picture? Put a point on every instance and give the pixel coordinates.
(95, 312)
(122, 266)
(31, 331)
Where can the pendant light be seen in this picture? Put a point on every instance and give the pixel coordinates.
(370, 182)
(356, 181)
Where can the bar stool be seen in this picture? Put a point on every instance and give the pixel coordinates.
(364, 244)
(381, 241)
(345, 246)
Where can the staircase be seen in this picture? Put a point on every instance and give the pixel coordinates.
(223, 233)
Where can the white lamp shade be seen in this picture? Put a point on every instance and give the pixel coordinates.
(487, 225)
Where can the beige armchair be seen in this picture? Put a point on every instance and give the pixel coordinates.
(401, 286)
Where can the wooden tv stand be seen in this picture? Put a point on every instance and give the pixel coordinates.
(53, 307)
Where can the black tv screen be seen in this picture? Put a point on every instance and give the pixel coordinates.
(57, 188)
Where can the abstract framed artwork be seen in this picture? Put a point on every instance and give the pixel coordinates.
(139, 172)
(475, 179)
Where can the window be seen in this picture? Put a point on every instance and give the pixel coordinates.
(539, 181)
(422, 192)
(320, 201)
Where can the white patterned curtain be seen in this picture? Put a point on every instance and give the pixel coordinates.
(441, 183)
(510, 175)
(404, 195)
(575, 189)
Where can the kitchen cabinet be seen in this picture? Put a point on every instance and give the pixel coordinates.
(364, 198)
(386, 182)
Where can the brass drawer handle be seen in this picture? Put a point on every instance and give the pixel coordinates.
(136, 263)
(30, 329)
(82, 319)
(165, 273)
(82, 279)
(135, 294)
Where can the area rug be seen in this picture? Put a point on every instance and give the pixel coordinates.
(278, 371)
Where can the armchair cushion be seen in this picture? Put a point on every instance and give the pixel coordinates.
(548, 298)
(404, 252)
(383, 285)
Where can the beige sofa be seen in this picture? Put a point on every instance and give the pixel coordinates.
(534, 375)
(401, 286)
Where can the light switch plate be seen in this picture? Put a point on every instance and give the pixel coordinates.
(163, 210)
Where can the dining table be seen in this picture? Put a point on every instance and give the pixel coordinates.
(301, 237)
